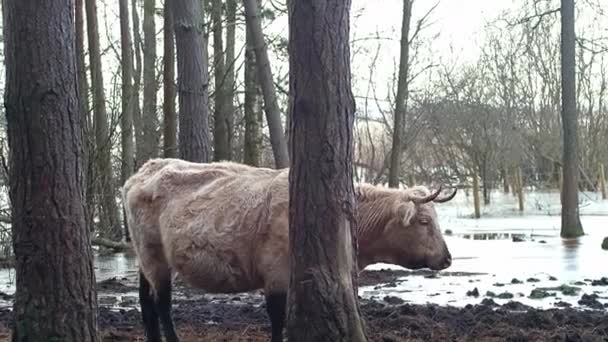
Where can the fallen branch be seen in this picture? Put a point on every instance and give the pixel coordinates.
(115, 245)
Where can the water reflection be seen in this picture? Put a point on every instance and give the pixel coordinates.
(570, 254)
(494, 236)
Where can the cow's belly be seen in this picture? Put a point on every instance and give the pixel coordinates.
(213, 270)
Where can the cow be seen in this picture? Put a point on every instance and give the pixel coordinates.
(223, 227)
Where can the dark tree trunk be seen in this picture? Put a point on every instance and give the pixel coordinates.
(126, 119)
(170, 116)
(192, 81)
(251, 153)
(150, 124)
(221, 145)
(401, 98)
(271, 107)
(110, 226)
(83, 84)
(83, 90)
(230, 66)
(505, 180)
(137, 70)
(55, 299)
(571, 222)
(487, 184)
(322, 298)
(126, 123)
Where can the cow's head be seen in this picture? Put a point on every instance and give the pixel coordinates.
(410, 235)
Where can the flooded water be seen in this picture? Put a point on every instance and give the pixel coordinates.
(487, 246)
(485, 257)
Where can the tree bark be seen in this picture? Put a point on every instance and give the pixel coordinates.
(401, 98)
(126, 119)
(230, 73)
(126, 122)
(505, 180)
(137, 70)
(322, 298)
(193, 81)
(150, 123)
(83, 91)
(55, 298)
(476, 200)
(271, 107)
(520, 189)
(571, 222)
(221, 145)
(170, 115)
(251, 153)
(602, 181)
(108, 209)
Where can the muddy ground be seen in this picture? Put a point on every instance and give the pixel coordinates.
(243, 318)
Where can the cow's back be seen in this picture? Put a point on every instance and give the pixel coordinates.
(206, 217)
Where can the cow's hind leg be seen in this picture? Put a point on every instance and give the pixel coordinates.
(163, 307)
(275, 307)
(148, 310)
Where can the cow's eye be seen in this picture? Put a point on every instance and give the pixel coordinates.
(423, 220)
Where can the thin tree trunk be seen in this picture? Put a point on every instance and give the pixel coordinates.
(170, 115)
(126, 119)
(271, 107)
(251, 153)
(505, 180)
(83, 90)
(401, 98)
(221, 148)
(193, 81)
(571, 222)
(230, 73)
(108, 211)
(487, 185)
(602, 181)
(55, 298)
(520, 189)
(323, 280)
(138, 125)
(150, 123)
(476, 201)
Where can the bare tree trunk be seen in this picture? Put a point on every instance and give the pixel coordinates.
(126, 119)
(230, 73)
(520, 188)
(221, 145)
(193, 81)
(83, 91)
(108, 209)
(487, 185)
(251, 153)
(401, 98)
(137, 70)
(323, 280)
(170, 116)
(151, 133)
(571, 222)
(83, 84)
(602, 181)
(505, 180)
(476, 200)
(55, 298)
(271, 107)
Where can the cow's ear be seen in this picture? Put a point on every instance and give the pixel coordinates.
(406, 212)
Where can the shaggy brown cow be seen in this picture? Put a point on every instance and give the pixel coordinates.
(223, 227)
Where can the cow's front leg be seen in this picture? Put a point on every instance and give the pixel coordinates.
(276, 307)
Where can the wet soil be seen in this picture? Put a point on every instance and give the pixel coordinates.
(243, 317)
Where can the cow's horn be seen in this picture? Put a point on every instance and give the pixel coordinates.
(447, 198)
(425, 199)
